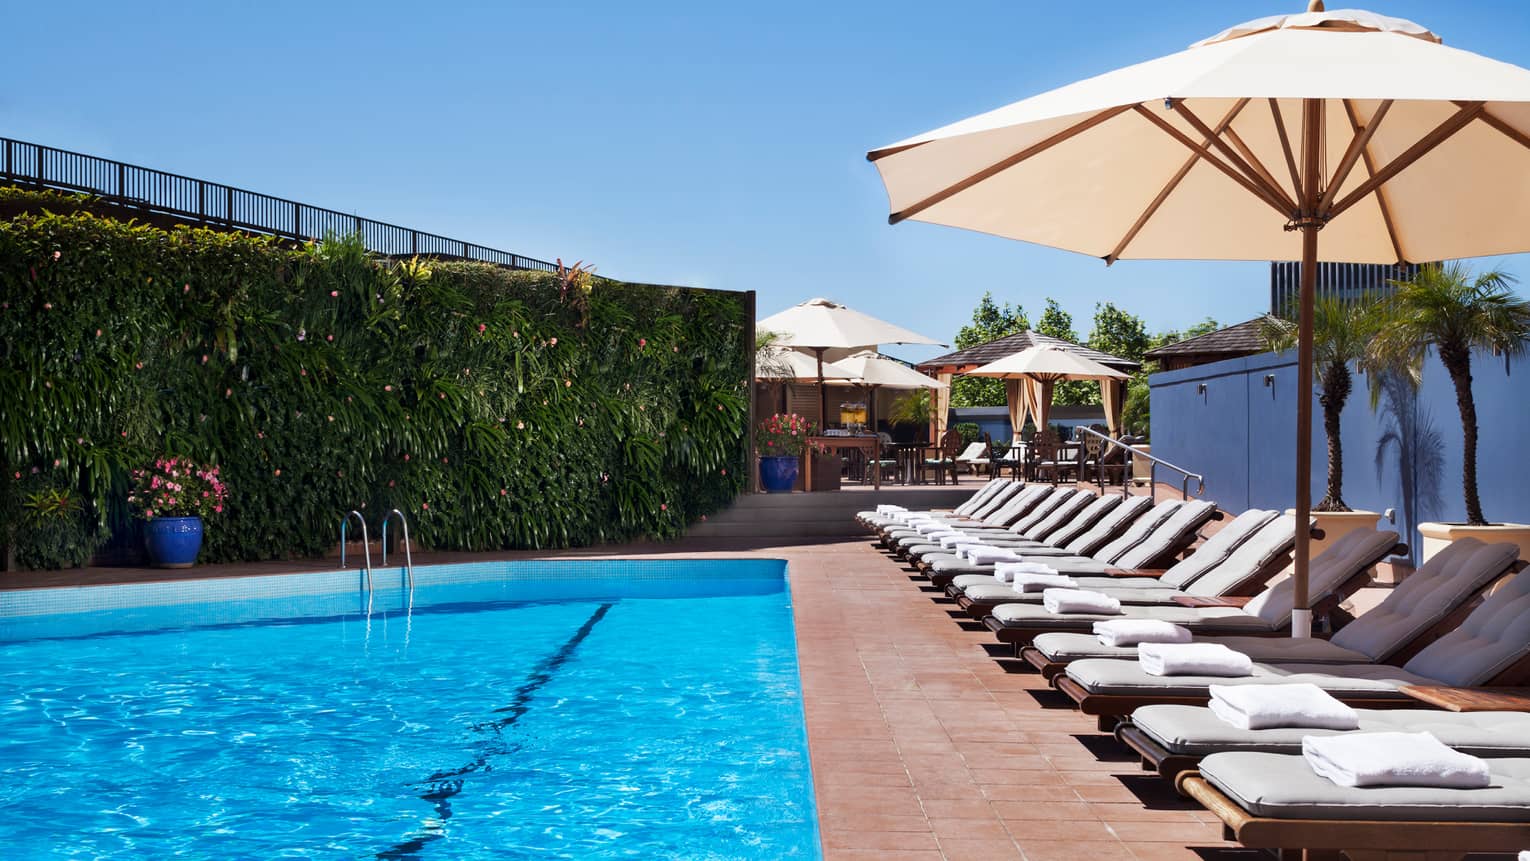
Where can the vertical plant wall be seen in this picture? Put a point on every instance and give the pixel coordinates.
(496, 408)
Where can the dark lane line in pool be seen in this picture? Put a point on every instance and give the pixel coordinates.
(443, 785)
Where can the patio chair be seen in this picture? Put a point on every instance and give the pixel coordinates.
(1490, 647)
(944, 461)
(1276, 801)
(1430, 600)
(883, 463)
(1047, 463)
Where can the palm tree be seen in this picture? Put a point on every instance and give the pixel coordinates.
(1341, 331)
(1445, 307)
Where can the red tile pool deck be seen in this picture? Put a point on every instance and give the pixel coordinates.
(926, 742)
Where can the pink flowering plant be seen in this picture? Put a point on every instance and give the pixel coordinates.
(177, 487)
(783, 435)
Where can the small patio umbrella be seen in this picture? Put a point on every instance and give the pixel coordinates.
(1040, 368)
(819, 325)
(874, 370)
(1243, 147)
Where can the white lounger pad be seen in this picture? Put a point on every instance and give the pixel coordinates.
(966, 581)
(1001, 592)
(1270, 650)
(1285, 787)
(1230, 620)
(1111, 676)
(1195, 731)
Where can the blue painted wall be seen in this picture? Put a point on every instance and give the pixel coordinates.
(1235, 422)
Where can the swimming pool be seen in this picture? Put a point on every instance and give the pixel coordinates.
(581, 709)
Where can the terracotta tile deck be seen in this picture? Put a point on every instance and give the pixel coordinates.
(924, 744)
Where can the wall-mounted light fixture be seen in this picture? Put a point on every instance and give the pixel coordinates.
(1200, 388)
(1269, 381)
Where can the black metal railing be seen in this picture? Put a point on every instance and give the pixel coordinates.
(216, 205)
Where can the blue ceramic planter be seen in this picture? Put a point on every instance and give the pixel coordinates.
(173, 542)
(778, 474)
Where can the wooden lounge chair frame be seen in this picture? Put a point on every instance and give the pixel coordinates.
(1356, 839)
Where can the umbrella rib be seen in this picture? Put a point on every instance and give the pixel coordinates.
(1231, 172)
(1253, 160)
(1507, 130)
(1357, 145)
(1424, 146)
(1167, 190)
(1257, 176)
(1007, 163)
(1285, 145)
(1381, 193)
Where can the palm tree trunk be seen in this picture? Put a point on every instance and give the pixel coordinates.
(1336, 385)
(1458, 363)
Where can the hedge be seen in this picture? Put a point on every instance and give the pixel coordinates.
(496, 408)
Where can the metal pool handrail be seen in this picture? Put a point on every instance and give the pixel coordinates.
(1134, 452)
(366, 543)
(408, 557)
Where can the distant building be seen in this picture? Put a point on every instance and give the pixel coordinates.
(1343, 280)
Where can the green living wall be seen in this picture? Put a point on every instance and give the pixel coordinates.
(497, 408)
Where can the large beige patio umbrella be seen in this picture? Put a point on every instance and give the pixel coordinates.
(873, 370)
(1245, 147)
(818, 326)
(789, 366)
(1030, 375)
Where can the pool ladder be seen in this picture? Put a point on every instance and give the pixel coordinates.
(366, 544)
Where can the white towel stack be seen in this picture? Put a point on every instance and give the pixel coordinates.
(1079, 601)
(885, 508)
(1393, 759)
(1193, 659)
(932, 528)
(1131, 632)
(951, 538)
(1294, 706)
(983, 554)
(1004, 572)
(1030, 583)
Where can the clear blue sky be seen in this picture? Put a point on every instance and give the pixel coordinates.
(712, 144)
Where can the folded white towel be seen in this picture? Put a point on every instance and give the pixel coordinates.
(1300, 705)
(1130, 632)
(885, 508)
(1393, 759)
(982, 554)
(1193, 659)
(934, 528)
(951, 539)
(1004, 572)
(1079, 601)
(1024, 583)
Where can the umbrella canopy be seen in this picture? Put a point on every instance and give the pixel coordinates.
(792, 366)
(869, 368)
(1244, 147)
(819, 325)
(1032, 372)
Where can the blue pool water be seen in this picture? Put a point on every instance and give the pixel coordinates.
(550, 710)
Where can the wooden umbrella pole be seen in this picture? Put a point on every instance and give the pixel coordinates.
(1308, 223)
(823, 396)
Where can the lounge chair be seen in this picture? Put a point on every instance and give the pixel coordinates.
(974, 456)
(1491, 646)
(1172, 739)
(874, 518)
(1105, 530)
(1237, 560)
(1039, 525)
(1014, 509)
(1065, 523)
(1335, 574)
(1431, 600)
(941, 564)
(1276, 801)
(1045, 504)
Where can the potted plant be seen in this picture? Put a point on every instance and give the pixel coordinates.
(1448, 309)
(173, 496)
(1341, 332)
(781, 440)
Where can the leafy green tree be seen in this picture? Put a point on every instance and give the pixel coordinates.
(1119, 333)
(1447, 309)
(1059, 324)
(990, 321)
(1341, 331)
